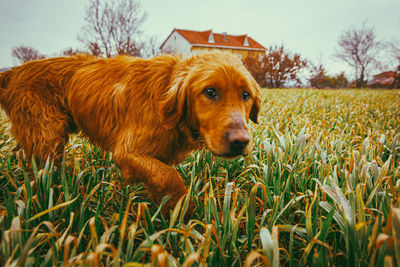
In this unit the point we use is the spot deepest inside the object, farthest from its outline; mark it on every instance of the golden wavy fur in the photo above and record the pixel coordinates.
(150, 113)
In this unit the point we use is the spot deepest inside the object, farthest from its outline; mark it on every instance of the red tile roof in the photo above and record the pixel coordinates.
(384, 79)
(201, 38)
(386, 74)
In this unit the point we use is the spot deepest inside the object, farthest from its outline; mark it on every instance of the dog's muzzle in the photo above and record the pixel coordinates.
(237, 142)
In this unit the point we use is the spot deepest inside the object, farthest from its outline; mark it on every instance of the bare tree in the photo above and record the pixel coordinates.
(396, 54)
(396, 51)
(150, 47)
(113, 27)
(281, 66)
(395, 47)
(25, 53)
(360, 48)
(72, 52)
(94, 49)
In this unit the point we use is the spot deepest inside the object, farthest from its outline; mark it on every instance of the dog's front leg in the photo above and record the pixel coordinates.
(158, 178)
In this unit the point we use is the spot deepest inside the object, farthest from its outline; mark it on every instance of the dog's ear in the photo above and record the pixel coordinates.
(172, 105)
(255, 109)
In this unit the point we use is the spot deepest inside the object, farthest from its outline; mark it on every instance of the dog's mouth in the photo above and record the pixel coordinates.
(225, 147)
(229, 151)
(230, 154)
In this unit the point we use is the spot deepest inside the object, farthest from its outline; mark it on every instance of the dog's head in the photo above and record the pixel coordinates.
(214, 96)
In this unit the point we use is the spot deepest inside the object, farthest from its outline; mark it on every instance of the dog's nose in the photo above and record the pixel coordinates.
(238, 140)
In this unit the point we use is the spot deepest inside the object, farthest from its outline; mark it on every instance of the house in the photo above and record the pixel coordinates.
(384, 80)
(187, 41)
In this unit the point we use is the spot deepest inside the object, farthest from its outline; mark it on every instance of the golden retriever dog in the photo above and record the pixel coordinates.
(150, 113)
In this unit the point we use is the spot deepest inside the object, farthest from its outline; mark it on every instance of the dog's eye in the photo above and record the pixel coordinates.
(245, 96)
(210, 92)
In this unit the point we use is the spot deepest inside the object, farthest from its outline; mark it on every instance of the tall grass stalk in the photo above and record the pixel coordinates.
(321, 187)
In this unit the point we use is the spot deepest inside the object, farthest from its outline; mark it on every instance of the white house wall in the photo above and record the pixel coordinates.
(176, 44)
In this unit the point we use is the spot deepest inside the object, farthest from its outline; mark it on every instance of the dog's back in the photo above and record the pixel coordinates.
(46, 77)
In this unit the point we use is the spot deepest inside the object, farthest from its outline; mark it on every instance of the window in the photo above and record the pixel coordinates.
(246, 41)
(211, 38)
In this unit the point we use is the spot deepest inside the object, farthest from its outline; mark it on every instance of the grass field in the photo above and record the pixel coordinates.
(320, 188)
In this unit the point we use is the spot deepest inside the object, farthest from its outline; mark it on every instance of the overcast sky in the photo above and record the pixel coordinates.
(309, 27)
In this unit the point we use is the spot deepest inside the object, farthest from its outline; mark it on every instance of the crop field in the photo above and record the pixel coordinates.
(320, 188)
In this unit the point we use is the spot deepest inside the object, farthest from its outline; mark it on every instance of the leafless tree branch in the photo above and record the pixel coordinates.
(113, 27)
(25, 53)
(360, 49)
